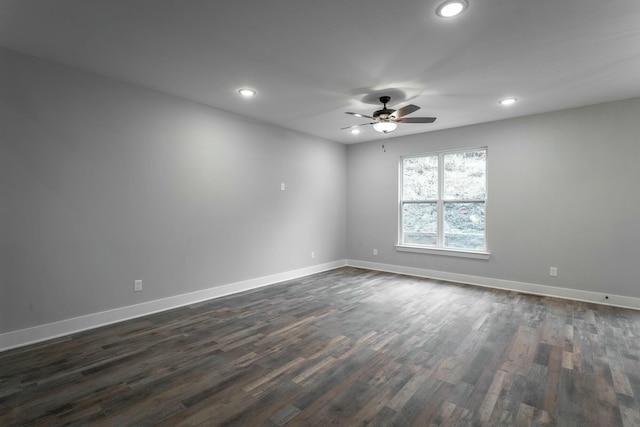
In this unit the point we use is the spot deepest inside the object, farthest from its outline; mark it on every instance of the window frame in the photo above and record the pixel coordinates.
(439, 248)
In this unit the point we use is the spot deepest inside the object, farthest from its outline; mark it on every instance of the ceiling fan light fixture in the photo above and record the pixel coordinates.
(385, 127)
(451, 8)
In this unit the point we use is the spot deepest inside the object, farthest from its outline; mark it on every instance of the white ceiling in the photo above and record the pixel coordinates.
(311, 61)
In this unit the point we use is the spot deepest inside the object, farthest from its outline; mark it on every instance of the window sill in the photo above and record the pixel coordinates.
(460, 253)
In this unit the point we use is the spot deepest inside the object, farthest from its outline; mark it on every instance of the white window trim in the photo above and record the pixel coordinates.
(432, 250)
(439, 249)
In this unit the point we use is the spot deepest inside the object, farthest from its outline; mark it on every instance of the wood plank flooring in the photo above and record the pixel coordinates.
(345, 347)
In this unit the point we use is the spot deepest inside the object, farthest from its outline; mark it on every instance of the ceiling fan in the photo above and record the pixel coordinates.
(386, 120)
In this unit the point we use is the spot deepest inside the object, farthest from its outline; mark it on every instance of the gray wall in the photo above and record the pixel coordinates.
(102, 183)
(563, 192)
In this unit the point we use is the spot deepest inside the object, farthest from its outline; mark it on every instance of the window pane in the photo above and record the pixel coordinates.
(464, 225)
(420, 223)
(420, 178)
(465, 175)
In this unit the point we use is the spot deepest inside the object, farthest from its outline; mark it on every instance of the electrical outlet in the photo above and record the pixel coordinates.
(375, 252)
(313, 254)
(282, 186)
(137, 286)
(553, 271)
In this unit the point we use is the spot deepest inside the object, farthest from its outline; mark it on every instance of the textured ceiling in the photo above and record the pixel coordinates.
(311, 61)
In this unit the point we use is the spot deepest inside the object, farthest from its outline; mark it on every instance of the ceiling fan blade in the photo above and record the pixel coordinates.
(407, 109)
(359, 115)
(357, 126)
(417, 120)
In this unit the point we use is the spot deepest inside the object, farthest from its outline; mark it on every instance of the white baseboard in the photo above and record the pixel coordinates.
(49, 331)
(509, 285)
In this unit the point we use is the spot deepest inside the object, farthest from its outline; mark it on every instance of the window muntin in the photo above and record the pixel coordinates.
(443, 200)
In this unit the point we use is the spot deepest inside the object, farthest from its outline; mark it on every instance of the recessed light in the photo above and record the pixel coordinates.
(507, 101)
(451, 8)
(247, 93)
(357, 114)
(355, 131)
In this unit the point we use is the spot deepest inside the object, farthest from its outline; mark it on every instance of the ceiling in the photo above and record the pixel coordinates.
(311, 61)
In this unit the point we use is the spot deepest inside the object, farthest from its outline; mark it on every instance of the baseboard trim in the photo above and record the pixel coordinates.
(40, 333)
(23, 337)
(509, 285)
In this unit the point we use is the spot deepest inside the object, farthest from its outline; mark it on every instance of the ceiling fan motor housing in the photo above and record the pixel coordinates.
(385, 112)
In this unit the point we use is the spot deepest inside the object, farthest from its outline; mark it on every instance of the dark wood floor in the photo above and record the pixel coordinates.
(345, 347)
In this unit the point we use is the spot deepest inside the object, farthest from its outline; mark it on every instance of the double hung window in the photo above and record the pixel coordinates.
(443, 198)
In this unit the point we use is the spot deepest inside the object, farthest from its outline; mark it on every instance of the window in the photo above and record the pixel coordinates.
(443, 199)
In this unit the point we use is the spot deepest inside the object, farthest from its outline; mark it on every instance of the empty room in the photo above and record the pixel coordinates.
(296, 213)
